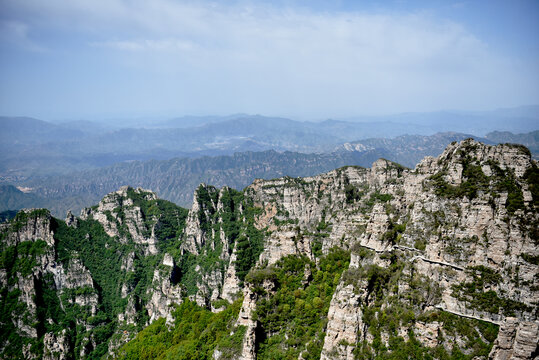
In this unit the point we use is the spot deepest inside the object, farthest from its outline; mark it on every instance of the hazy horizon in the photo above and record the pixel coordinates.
(120, 121)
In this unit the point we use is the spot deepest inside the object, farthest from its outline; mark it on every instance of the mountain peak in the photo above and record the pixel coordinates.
(515, 157)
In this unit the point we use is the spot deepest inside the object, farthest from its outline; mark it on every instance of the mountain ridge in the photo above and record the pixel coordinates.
(384, 261)
(60, 148)
(176, 179)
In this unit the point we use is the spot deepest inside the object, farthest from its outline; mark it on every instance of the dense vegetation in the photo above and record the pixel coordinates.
(102, 255)
(294, 297)
(17, 260)
(87, 243)
(195, 334)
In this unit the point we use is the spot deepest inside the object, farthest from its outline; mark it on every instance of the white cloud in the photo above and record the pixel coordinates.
(290, 59)
(146, 45)
(17, 33)
(166, 23)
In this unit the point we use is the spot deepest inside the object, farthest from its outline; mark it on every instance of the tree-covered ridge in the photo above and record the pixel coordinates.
(293, 311)
(16, 261)
(120, 267)
(195, 334)
(293, 302)
(227, 221)
(87, 315)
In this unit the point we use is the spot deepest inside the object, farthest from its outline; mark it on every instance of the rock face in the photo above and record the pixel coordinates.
(121, 217)
(516, 340)
(163, 293)
(213, 227)
(245, 318)
(31, 229)
(344, 323)
(55, 346)
(35, 274)
(110, 271)
(441, 260)
(466, 220)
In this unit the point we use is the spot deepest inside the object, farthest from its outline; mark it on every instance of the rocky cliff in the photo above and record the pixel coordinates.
(436, 262)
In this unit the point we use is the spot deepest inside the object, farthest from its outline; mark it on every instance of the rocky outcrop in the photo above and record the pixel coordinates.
(29, 239)
(56, 346)
(231, 284)
(245, 318)
(516, 340)
(344, 324)
(71, 220)
(121, 217)
(203, 206)
(79, 278)
(213, 226)
(163, 292)
(37, 276)
(31, 225)
(454, 219)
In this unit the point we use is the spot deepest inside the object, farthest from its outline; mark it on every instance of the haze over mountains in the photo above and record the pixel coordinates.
(70, 165)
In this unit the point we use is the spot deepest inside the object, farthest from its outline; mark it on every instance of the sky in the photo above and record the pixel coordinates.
(304, 59)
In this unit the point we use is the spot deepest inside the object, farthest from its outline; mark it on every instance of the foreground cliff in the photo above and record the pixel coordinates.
(387, 262)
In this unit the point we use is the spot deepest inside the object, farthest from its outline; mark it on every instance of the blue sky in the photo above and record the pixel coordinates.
(93, 59)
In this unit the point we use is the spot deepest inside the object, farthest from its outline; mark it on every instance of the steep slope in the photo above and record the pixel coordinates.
(436, 262)
(458, 235)
(90, 283)
(66, 285)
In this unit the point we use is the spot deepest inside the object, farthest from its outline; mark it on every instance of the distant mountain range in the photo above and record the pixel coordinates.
(73, 164)
(408, 150)
(520, 119)
(32, 147)
(530, 140)
(177, 178)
